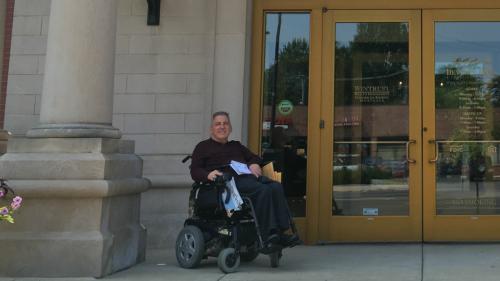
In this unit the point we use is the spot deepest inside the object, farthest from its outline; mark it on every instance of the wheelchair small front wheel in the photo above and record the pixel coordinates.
(228, 261)
(275, 259)
(190, 247)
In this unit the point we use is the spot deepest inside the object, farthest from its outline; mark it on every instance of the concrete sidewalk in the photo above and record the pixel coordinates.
(363, 262)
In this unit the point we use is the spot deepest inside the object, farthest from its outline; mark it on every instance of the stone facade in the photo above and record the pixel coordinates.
(80, 182)
(81, 201)
(168, 79)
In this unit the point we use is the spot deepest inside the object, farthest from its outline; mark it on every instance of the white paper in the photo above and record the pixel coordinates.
(235, 200)
(240, 168)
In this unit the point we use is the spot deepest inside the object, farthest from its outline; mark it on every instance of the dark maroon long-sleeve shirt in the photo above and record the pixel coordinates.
(210, 155)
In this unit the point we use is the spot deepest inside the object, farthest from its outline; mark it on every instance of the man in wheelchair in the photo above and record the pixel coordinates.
(267, 196)
(209, 162)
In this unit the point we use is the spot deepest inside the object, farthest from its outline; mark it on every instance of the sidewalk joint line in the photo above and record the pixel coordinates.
(422, 262)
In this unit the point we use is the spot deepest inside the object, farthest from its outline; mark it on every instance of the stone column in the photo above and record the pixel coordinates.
(4, 137)
(77, 98)
(229, 63)
(81, 184)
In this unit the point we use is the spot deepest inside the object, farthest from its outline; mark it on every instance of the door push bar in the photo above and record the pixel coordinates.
(411, 161)
(407, 143)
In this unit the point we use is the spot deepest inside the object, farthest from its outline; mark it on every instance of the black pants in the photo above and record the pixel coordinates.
(268, 199)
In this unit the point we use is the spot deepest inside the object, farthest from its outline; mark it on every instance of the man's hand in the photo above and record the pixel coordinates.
(213, 174)
(256, 170)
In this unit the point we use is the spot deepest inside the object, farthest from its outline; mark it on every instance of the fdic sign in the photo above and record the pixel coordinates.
(285, 107)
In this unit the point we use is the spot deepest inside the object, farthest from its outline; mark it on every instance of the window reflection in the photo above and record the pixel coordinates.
(467, 75)
(285, 99)
(370, 172)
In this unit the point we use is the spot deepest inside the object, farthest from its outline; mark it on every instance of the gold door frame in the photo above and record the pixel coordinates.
(447, 227)
(309, 5)
(383, 228)
(313, 226)
(307, 226)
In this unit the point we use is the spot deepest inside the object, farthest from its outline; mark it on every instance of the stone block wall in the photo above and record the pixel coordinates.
(168, 80)
(27, 54)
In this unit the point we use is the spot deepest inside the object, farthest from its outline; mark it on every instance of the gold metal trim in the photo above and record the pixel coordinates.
(436, 151)
(478, 141)
(406, 143)
(374, 142)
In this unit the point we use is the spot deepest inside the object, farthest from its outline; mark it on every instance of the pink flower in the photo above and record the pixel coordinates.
(4, 211)
(15, 205)
(2, 192)
(17, 199)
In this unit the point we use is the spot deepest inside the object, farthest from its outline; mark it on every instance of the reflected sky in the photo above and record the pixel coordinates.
(345, 32)
(293, 26)
(469, 40)
(475, 40)
(468, 31)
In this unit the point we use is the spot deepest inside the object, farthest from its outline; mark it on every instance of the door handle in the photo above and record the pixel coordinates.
(408, 159)
(436, 151)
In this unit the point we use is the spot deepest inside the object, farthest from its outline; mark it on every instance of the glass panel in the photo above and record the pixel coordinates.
(467, 75)
(286, 83)
(370, 174)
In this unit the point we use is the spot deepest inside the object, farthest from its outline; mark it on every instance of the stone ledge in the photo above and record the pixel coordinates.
(75, 130)
(53, 235)
(4, 137)
(78, 188)
(70, 166)
(70, 145)
(169, 181)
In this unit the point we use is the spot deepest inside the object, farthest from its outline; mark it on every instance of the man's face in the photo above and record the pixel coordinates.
(220, 129)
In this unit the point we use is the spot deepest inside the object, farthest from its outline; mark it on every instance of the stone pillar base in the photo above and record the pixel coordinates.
(74, 131)
(80, 213)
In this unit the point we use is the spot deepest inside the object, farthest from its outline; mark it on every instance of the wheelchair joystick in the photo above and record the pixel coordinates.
(223, 179)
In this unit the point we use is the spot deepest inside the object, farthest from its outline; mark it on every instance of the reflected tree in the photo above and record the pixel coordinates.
(292, 74)
(494, 89)
(461, 90)
(376, 57)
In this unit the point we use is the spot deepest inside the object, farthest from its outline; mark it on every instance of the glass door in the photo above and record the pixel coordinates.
(371, 160)
(461, 133)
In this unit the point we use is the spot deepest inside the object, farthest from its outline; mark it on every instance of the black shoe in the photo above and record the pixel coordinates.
(273, 238)
(271, 245)
(290, 240)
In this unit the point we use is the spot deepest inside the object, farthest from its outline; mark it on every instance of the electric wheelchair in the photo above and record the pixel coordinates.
(211, 231)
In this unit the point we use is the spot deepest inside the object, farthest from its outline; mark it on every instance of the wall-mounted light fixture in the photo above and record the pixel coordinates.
(153, 12)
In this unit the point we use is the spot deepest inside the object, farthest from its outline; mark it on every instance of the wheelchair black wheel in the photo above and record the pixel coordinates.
(228, 261)
(190, 247)
(274, 258)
